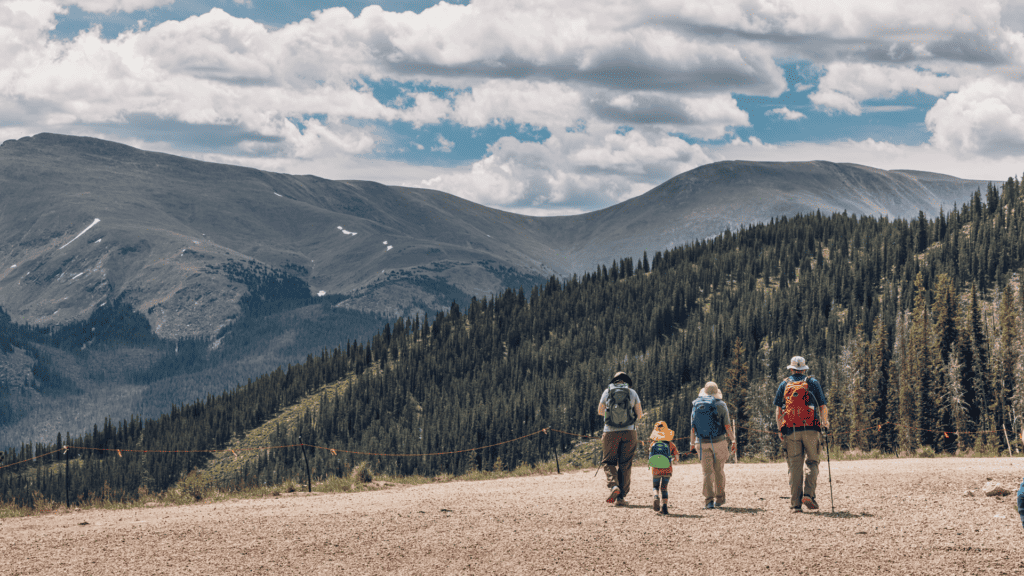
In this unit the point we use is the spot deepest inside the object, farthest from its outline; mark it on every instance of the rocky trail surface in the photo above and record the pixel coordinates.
(908, 516)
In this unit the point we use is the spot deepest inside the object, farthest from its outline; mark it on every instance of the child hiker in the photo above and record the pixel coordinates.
(663, 449)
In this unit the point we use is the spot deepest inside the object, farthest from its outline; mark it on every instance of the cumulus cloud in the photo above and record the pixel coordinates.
(986, 117)
(614, 84)
(443, 144)
(587, 169)
(846, 85)
(785, 113)
(108, 6)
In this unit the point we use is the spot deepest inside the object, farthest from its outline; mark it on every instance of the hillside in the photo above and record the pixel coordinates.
(132, 281)
(710, 199)
(912, 326)
(85, 221)
(906, 516)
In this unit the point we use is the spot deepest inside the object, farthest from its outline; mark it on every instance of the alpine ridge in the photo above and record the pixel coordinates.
(131, 281)
(85, 220)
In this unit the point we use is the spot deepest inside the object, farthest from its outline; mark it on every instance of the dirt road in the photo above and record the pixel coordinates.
(892, 517)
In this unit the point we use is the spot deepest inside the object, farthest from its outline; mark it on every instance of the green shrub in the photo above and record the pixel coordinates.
(195, 485)
(362, 473)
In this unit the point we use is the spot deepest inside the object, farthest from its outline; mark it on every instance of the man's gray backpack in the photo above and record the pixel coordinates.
(619, 413)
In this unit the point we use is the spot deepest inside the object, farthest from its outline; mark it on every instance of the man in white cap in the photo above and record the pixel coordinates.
(709, 433)
(801, 414)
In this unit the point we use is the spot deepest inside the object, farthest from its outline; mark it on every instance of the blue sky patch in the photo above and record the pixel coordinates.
(273, 13)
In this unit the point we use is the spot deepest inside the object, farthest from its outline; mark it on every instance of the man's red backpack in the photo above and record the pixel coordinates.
(800, 410)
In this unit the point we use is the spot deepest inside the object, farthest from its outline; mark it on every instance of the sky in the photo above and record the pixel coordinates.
(539, 107)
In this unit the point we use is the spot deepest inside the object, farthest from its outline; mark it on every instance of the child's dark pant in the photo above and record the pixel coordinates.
(661, 483)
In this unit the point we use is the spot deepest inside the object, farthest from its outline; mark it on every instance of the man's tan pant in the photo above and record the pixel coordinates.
(619, 448)
(802, 445)
(712, 461)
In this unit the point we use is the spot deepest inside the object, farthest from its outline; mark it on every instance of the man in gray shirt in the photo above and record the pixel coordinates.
(620, 406)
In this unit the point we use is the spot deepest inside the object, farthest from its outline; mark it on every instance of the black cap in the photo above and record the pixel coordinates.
(622, 377)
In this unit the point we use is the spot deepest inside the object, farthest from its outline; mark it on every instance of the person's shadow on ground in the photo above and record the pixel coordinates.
(648, 507)
(846, 514)
(678, 515)
(736, 510)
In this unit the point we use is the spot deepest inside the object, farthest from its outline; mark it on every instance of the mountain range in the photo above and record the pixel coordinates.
(85, 220)
(249, 270)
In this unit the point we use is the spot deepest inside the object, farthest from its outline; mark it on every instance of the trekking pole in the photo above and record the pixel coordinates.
(67, 477)
(828, 457)
(736, 435)
(309, 479)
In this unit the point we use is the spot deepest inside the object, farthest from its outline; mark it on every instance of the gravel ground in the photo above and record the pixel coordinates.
(891, 517)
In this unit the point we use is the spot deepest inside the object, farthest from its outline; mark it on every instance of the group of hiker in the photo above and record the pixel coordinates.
(800, 413)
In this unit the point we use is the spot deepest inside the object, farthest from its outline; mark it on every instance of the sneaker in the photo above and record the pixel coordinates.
(709, 506)
(657, 504)
(796, 509)
(615, 494)
(809, 502)
(664, 509)
(620, 502)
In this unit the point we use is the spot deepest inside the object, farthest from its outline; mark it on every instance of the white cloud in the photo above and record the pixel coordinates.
(108, 6)
(785, 113)
(985, 117)
(300, 97)
(846, 85)
(571, 169)
(443, 144)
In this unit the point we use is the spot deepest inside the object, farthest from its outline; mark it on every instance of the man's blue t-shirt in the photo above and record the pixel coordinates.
(1020, 502)
(813, 387)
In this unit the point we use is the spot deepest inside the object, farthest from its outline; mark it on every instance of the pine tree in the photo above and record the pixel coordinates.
(878, 386)
(852, 406)
(737, 383)
(973, 348)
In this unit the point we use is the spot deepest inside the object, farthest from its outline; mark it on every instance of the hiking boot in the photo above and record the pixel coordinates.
(709, 506)
(720, 503)
(620, 501)
(809, 502)
(615, 494)
(664, 509)
(796, 509)
(657, 504)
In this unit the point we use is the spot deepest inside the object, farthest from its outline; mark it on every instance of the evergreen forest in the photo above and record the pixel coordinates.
(912, 326)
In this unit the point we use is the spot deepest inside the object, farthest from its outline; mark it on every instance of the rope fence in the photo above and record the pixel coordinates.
(335, 451)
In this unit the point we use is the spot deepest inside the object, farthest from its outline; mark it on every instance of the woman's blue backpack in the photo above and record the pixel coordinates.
(706, 421)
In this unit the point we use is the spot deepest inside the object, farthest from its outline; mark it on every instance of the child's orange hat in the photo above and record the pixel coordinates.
(662, 432)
